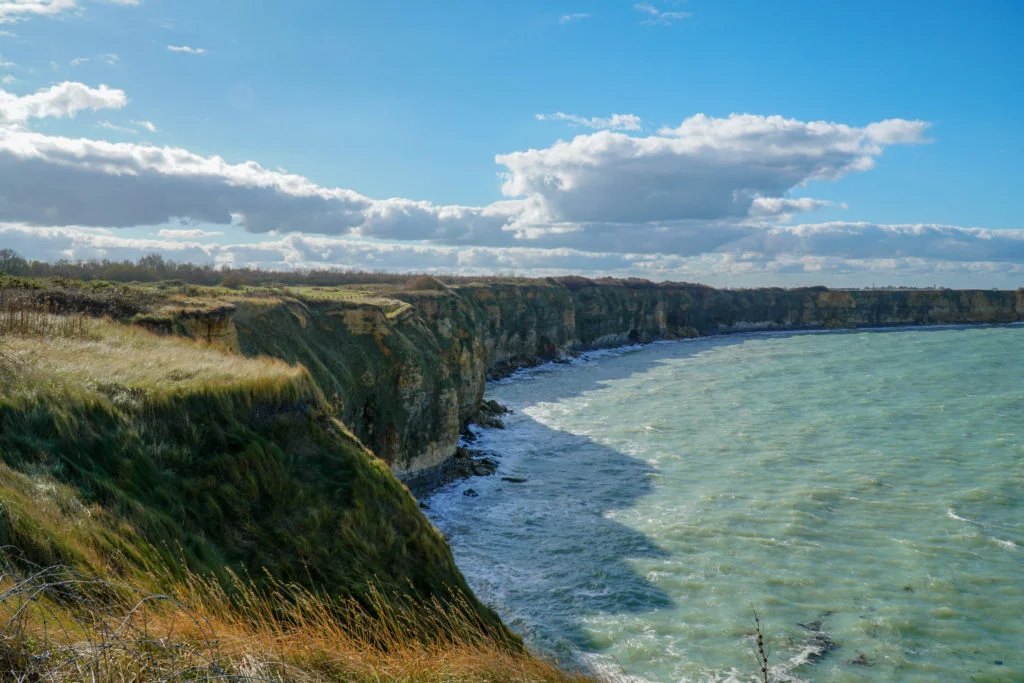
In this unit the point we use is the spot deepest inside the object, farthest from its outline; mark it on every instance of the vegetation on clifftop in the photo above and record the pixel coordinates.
(159, 464)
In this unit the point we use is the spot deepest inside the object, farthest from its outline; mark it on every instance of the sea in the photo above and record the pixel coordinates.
(861, 492)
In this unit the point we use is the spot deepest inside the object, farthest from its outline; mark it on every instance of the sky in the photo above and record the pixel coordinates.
(732, 142)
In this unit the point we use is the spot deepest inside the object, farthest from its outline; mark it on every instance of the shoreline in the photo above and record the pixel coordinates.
(427, 483)
(459, 517)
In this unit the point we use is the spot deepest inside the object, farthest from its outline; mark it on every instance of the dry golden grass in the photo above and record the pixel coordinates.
(102, 355)
(62, 626)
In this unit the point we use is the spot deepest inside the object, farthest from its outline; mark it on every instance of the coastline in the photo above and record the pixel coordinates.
(555, 482)
(427, 483)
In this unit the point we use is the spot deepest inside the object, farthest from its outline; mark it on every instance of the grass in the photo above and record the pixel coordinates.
(90, 359)
(150, 460)
(60, 625)
(147, 473)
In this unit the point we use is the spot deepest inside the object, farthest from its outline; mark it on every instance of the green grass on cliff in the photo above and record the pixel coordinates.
(130, 455)
(132, 462)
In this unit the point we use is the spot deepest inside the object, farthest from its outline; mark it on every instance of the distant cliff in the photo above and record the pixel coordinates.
(407, 372)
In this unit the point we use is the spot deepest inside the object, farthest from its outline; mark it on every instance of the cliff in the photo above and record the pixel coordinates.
(406, 371)
(147, 459)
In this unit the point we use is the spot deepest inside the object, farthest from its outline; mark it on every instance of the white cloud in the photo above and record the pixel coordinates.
(63, 100)
(569, 18)
(866, 241)
(5, 64)
(79, 60)
(665, 18)
(21, 10)
(190, 234)
(700, 201)
(8, 79)
(187, 50)
(732, 268)
(121, 129)
(706, 169)
(613, 122)
(689, 190)
(120, 184)
(784, 208)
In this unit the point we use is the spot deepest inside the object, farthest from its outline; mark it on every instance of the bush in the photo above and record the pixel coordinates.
(233, 281)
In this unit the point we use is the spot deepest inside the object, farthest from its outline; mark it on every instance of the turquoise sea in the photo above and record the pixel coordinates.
(862, 491)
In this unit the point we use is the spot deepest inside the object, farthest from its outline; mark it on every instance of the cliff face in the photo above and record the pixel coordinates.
(407, 377)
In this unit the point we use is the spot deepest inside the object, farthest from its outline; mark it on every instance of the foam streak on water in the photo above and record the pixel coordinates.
(863, 491)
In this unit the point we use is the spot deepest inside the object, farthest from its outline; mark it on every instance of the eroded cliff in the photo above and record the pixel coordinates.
(407, 372)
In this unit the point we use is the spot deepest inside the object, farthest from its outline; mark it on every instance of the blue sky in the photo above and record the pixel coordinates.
(436, 106)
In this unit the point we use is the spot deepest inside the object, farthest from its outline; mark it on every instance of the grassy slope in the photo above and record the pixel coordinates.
(126, 454)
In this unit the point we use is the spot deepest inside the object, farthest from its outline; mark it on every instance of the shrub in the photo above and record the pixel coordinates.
(233, 281)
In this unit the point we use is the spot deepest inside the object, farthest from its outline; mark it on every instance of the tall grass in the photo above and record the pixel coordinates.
(23, 317)
(60, 625)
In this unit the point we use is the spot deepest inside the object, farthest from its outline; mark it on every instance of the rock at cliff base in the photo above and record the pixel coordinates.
(495, 407)
(484, 467)
(471, 493)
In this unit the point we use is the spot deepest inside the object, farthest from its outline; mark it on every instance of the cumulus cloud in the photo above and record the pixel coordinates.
(122, 185)
(685, 190)
(187, 50)
(63, 100)
(613, 122)
(403, 219)
(704, 200)
(705, 169)
(782, 208)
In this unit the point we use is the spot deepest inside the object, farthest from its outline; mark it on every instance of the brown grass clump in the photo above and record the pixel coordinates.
(58, 625)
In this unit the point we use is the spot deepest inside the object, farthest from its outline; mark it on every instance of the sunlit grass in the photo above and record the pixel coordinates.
(165, 464)
(105, 357)
(60, 625)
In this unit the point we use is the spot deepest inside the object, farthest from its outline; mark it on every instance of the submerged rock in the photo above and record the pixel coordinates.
(514, 480)
(471, 493)
(484, 467)
(821, 643)
(860, 660)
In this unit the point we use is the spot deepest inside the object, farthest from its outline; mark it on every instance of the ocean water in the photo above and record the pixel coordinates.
(863, 492)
